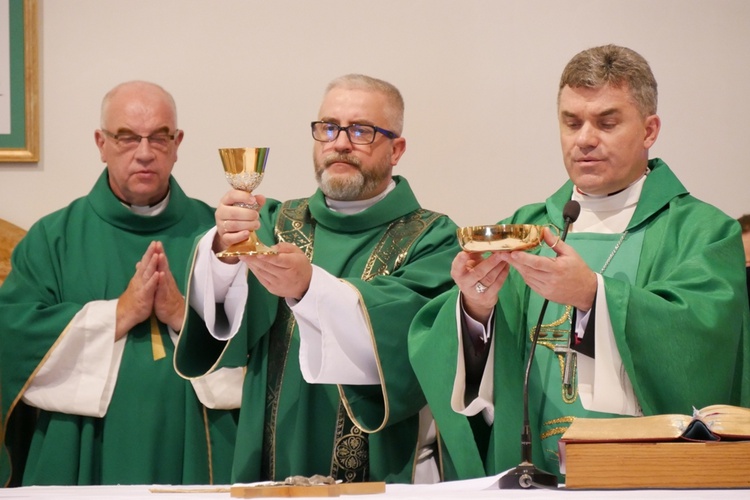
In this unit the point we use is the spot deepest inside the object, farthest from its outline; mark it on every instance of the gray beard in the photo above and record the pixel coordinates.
(347, 189)
(354, 187)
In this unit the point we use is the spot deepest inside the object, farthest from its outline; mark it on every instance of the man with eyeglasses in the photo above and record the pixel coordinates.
(92, 308)
(354, 263)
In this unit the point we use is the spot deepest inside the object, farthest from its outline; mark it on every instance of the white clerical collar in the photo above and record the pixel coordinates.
(149, 209)
(356, 206)
(608, 213)
(615, 201)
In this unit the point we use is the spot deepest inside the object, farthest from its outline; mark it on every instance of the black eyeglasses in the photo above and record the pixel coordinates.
(357, 134)
(129, 140)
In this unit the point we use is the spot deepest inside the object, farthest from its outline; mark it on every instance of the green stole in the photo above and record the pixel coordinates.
(552, 407)
(350, 449)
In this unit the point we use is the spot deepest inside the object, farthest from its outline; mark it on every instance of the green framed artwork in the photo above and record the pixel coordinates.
(19, 81)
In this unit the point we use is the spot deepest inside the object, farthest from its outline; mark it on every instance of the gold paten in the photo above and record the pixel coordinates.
(502, 237)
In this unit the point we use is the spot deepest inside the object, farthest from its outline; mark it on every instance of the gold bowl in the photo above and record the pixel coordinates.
(500, 237)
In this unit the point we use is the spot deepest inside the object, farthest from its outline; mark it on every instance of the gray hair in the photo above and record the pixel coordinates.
(614, 66)
(395, 111)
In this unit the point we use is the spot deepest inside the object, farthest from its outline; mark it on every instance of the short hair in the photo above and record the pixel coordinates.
(745, 223)
(395, 113)
(136, 83)
(614, 66)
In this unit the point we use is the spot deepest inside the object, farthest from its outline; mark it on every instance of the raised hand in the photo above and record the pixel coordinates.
(565, 279)
(137, 301)
(169, 304)
(235, 218)
(479, 280)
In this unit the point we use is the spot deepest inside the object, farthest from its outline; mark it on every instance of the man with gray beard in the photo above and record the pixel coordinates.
(353, 264)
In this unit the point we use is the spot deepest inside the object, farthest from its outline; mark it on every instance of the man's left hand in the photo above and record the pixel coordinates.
(565, 279)
(286, 274)
(169, 304)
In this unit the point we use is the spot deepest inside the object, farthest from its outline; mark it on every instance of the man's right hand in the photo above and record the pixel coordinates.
(137, 301)
(469, 269)
(235, 219)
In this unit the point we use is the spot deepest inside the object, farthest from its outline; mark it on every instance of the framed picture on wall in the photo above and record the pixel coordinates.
(19, 81)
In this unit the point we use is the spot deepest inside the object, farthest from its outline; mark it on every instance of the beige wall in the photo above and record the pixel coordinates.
(479, 78)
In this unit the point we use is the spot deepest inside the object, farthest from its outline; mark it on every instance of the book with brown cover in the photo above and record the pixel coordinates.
(710, 449)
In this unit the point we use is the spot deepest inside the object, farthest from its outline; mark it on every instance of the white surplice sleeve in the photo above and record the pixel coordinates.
(603, 383)
(78, 377)
(336, 341)
(215, 282)
(483, 402)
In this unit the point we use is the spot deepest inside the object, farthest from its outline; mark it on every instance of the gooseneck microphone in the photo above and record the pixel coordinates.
(526, 475)
(571, 211)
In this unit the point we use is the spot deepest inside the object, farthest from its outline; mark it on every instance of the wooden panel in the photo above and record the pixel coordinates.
(658, 465)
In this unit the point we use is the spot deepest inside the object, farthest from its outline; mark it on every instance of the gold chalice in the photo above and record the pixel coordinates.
(502, 237)
(244, 168)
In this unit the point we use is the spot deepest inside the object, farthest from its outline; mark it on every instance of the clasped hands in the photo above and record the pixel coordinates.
(152, 289)
(565, 278)
(287, 273)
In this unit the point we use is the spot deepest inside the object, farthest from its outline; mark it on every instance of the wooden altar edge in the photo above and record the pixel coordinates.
(290, 491)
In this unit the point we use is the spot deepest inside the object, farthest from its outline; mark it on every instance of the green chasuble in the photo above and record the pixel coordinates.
(155, 430)
(398, 256)
(676, 298)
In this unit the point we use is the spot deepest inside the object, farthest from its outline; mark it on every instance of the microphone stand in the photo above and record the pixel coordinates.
(526, 474)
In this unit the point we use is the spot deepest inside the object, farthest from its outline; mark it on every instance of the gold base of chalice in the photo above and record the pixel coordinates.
(252, 246)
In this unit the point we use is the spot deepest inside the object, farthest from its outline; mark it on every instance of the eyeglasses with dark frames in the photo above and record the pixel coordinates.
(357, 134)
(129, 140)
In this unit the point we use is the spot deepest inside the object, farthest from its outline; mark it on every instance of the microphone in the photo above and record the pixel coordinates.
(526, 475)
(571, 211)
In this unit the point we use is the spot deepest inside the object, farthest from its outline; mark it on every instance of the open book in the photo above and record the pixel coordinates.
(711, 448)
(712, 423)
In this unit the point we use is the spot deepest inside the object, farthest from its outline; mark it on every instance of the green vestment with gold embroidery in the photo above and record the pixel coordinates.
(675, 295)
(398, 256)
